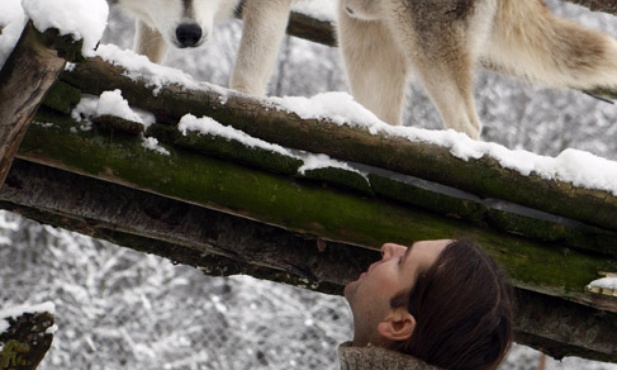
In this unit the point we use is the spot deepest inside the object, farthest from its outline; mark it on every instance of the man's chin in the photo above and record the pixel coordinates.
(350, 289)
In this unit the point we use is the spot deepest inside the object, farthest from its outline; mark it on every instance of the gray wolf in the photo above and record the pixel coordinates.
(189, 23)
(442, 41)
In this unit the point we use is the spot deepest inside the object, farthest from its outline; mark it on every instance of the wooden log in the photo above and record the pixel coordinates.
(224, 244)
(29, 72)
(483, 177)
(24, 344)
(305, 207)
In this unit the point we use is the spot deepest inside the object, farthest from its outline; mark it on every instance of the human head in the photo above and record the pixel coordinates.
(443, 301)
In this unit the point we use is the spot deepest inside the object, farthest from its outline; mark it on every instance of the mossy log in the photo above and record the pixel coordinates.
(302, 205)
(223, 244)
(24, 345)
(483, 177)
(25, 78)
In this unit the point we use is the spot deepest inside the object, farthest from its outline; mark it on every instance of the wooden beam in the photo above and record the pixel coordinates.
(224, 244)
(217, 242)
(29, 72)
(24, 344)
(304, 205)
(483, 177)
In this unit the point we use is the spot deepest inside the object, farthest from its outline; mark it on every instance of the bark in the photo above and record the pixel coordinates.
(27, 75)
(561, 329)
(24, 345)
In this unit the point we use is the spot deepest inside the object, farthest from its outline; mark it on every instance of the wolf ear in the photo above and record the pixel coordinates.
(397, 326)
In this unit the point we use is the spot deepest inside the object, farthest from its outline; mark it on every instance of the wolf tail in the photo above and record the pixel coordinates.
(528, 41)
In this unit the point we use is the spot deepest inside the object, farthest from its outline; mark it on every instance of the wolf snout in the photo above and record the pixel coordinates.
(188, 35)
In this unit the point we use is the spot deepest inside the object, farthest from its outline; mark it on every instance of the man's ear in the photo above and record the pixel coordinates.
(398, 325)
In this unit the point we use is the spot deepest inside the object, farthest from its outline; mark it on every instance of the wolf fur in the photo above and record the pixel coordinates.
(189, 23)
(441, 41)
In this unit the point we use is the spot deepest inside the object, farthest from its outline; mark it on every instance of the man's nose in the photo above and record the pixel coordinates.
(390, 250)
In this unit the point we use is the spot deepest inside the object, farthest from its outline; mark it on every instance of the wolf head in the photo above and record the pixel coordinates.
(183, 23)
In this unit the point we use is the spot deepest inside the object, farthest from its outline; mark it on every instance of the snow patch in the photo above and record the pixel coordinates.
(317, 161)
(16, 311)
(112, 103)
(209, 126)
(152, 143)
(12, 22)
(577, 167)
(140, 68)
(605, 284)
(85, 20)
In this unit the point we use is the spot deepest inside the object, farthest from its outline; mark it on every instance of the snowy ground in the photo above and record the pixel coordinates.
(118, 309)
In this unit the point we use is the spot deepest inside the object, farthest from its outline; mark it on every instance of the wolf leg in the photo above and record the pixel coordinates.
(149, 42)
(375, 66)
(442, 48)
(263, 30)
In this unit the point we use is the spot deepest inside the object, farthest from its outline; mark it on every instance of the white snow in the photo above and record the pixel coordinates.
(608, 283)
(85, 20)
(20, 310)
(109, 103)
(16, 311)
(12, 22)
(209, 126)
(339, 107)
(139, 67)
(577, 167)
(317, 161)
(112, 103)
(152, 143)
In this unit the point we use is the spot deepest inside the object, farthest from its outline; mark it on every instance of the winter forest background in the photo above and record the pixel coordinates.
(119, 309)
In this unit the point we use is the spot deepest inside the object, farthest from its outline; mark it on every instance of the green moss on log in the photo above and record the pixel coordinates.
(62, 97)
(237, 151)
(344, 178)
(304, 208)
(26, 342)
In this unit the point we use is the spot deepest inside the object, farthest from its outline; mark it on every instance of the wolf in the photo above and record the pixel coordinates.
(189, 23)
(441, 42)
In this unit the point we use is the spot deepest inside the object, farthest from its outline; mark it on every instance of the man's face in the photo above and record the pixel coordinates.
(397, 271)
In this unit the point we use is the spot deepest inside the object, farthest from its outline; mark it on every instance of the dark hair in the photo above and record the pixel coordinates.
(464, 311)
